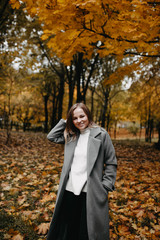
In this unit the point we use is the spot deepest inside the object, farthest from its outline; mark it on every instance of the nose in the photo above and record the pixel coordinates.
(78, 120)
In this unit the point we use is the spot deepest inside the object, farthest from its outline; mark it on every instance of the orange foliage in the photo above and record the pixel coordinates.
(80, 26)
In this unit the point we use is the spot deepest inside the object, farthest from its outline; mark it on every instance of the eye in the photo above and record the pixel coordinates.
(81, 116)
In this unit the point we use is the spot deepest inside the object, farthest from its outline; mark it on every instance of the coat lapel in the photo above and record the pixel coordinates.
(69, 153)
(93, 148)
(92, 152)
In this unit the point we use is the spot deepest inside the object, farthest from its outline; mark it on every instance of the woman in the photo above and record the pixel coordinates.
(88, 173)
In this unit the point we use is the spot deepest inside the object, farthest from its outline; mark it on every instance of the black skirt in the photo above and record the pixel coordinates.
(72, 220)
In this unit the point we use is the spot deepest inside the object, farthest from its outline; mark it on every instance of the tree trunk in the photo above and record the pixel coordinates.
(46, 97)
(71, 92)
(24, 126)
(92, 100)
(60, 98)
(105, 107)
(149, 127)
(104, 114)
(115, 130)
(140, 131)
(85, 86)
(97, 116)
(9, 112)
(54, 107)
(158, 133)
(79, 68)
(71, 84)
(157, 145)
(8, 131)
(150, 130)
(108, 117)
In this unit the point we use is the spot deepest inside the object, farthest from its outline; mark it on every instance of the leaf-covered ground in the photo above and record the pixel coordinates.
(30, 169)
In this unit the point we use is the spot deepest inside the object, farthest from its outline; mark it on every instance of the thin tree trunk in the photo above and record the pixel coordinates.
(79, 67)
(157, 145)
(158, 133)
(149, 127)
(46, 97)
(9, 112)
(71, 84)
(150, 130)
(60, 96)
(71, 92)
(92, 100)
(85, 86)
(140, 131)
(24, 126)
(115, 130)
(108, 117)
(146, 124)
(54, 107)
(105, 107)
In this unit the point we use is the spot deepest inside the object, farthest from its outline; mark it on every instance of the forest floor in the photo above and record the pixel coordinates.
(124, 133)
(29, 173)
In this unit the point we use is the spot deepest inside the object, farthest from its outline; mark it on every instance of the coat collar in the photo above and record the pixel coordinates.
(92, 151)
(94, 132)
(93, 148)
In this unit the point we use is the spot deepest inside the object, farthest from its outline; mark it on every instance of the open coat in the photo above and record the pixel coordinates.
(101, 175)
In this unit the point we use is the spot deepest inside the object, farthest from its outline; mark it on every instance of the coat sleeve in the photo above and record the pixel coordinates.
(110, 163)
(56, 135)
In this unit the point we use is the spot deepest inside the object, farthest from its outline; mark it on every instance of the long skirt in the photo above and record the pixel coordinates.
(72, 218)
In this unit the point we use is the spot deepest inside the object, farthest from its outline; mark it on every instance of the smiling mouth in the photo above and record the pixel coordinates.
(81, 124)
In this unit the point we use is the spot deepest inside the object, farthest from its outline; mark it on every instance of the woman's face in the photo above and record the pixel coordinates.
(80, 119)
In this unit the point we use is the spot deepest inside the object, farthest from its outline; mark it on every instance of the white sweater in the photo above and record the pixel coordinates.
(78, 173)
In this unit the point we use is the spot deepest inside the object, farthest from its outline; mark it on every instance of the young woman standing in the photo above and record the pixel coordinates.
(88, 173)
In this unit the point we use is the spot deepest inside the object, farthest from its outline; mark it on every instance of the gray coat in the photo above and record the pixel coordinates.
(101, 172)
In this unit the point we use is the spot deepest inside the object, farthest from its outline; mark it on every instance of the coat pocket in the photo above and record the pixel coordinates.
(104, 188)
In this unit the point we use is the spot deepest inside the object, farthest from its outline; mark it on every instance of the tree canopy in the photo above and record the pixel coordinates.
(39, 37)
(115, 27)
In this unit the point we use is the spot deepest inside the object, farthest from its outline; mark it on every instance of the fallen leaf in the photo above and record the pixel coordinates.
(123, 230)
(17, 237)
(140, 213)
(7, 236)
(43, 228)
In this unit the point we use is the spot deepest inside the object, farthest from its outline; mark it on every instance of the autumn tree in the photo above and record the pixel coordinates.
(10, 87)
(81, 34)
(41, 85)
(119, 108)
(111, 27)
(105, 28)
(23, 39)
(6, 17)
(106, 88)
(145, 97)
(29, 112)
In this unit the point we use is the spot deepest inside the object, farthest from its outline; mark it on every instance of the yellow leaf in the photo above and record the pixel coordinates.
(18, 237)
(123, 230)
(47, 197)
(15, 4)
(44, 37)
(43, 228)
(140, 213)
